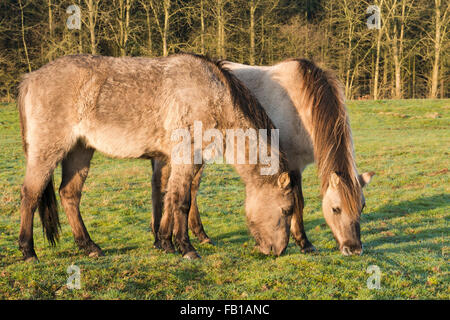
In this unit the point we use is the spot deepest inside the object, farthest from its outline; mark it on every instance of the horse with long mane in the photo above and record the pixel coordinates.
(129, 108)
(307, 104)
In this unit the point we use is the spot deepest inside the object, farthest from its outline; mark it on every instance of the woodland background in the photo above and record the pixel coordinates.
(408, 57)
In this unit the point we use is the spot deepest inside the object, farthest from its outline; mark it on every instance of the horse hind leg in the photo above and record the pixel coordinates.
(37, 190)
(75, 167)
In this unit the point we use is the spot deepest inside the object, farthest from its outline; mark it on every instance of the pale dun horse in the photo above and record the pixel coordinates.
(128, 108)
(307, 104)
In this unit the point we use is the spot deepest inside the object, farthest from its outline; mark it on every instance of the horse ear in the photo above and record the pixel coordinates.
(365, 178)
(284, 180)
(334, 180)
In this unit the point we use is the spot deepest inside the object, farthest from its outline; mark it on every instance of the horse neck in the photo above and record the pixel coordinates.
(256, 174)
(251, 175)
(248, 113)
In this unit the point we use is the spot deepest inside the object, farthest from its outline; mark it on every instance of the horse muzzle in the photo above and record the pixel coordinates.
(349, 250)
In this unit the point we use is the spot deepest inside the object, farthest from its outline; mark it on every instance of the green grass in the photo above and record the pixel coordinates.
(405, 226)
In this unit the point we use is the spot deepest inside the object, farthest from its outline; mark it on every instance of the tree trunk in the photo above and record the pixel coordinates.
(80, 42)
(263, 41)
(437, 51)
(202, 22)
(166, 26)
(398, 83)
(414, 78)
(442, 95)
(92, 17)
(377, 67)
(149, 30)
(220, 29)
(50, 27)
(162, 32)
(252, 32)
(385, 72)
(398, 67)
(124, 23)
(127, 27)
(22, 24)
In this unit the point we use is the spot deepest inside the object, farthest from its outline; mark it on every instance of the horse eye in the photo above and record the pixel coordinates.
(336, 210)
(287, 212)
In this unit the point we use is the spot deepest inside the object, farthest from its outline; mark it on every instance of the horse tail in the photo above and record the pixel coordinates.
(47, 206)
(48, 212)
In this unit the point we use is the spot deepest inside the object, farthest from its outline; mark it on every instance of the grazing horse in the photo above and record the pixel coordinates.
(130, 108)
(307, 104)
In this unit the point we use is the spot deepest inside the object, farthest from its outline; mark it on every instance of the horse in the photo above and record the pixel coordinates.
(130, 107)
(307, 104)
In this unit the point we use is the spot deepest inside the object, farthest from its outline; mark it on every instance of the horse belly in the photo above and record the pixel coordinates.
(120, 143)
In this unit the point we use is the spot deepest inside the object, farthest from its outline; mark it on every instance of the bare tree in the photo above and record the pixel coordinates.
(22, 28)
(163, 28)
(395, 35)
(441, 23)
(118, 20)
(93, 11)
(220, 16)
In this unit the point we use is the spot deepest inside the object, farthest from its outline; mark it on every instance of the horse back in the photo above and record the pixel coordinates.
(124, 107)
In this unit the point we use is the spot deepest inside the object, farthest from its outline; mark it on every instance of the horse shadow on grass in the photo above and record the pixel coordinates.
(402, 209)
(243, 239)
(110, 251)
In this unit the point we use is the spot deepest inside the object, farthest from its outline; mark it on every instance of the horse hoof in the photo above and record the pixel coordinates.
(96, 254)
(207, 241)
(167, 246)
(92, 250)
(157, 245)
(191, 255)
(308, 249)
(31, 259)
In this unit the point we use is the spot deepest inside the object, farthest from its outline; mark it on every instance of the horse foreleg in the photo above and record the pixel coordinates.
(75, 169)
(160, 177)
(195, 223)
(162, 225)
(297, 227)
(176, 206)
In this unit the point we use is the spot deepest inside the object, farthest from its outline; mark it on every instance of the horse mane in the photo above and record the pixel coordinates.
(322, 95)
(244, 100)
(247, 104)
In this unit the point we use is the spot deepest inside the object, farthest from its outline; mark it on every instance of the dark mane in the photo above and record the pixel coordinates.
(244, 101)
(322, 93)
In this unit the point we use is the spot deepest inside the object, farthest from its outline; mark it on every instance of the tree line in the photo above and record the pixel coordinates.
(405, 56)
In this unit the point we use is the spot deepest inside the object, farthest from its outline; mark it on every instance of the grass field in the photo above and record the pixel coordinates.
(405, 227)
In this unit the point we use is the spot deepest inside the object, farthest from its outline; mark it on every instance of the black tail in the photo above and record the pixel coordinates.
(48, 211)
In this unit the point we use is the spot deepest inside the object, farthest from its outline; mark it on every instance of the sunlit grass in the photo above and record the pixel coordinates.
(405, 227)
